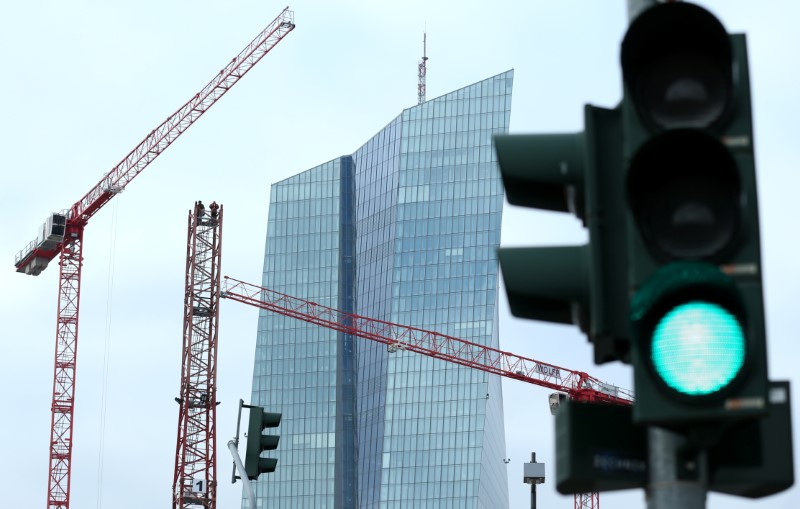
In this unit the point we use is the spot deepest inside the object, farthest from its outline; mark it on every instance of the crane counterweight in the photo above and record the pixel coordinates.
(37, 254)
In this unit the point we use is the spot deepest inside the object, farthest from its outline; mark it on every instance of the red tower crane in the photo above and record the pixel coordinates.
(576, 385)
(195, 477)
(62, 234)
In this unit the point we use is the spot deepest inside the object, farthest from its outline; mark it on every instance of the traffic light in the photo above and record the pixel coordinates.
(696, 313)
(579, 173)
(598, 448)
(257, 442)
(670, 280)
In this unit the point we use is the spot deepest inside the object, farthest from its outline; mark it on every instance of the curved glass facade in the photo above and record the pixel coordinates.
(405, 230)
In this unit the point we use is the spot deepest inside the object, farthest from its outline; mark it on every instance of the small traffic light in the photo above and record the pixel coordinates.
(257, 442)
(697, 319)
(598, 448)
(579, 173)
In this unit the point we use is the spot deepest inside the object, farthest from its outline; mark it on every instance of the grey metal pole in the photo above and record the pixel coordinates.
(637, 6)
(236, 440)
(238, 462)
(664, 489)
(533, 485)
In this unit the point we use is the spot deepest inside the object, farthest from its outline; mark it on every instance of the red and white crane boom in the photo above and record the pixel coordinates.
(576, 384)
(62, 234)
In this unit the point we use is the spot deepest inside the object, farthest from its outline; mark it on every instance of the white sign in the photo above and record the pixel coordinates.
(548, 370)
(199, 485)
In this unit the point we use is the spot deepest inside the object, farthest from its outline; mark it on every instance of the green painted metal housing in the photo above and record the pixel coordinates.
(257, 442)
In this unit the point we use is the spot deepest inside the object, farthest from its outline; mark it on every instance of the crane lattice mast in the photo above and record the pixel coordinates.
(576, 385)
(194, 483)
(587, 501)
(62, 235)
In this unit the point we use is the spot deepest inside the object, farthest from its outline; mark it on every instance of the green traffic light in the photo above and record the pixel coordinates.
(693, 260)
(698, 348)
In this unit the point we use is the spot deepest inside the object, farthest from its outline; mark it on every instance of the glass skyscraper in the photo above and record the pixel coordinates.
(404, 230)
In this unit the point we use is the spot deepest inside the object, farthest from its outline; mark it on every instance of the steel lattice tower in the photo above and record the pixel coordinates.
(195, 483)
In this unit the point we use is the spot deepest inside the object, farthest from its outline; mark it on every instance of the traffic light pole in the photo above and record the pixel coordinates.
(238, 462)
(667, 488)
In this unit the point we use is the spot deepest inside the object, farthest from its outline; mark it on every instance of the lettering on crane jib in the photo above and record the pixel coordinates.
(548, 370)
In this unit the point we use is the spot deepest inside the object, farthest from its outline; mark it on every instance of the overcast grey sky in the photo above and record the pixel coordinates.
(85, 81)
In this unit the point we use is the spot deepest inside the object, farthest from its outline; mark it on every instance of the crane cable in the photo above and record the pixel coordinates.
(106, 355)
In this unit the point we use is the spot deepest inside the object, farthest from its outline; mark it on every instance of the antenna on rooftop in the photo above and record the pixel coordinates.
(422, 68)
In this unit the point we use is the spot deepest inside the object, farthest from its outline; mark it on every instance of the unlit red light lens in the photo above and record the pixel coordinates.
(698, 348)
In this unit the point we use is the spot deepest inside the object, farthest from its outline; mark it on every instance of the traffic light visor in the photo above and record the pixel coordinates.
(544, 171)
(676, 62)
(547, 283)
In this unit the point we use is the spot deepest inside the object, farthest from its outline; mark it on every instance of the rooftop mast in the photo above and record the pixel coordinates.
(422, 68)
